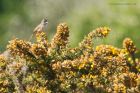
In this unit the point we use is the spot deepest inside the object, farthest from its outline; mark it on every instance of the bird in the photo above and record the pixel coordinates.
(40, 27)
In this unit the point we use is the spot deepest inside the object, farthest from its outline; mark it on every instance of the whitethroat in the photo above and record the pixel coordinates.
(40, 27)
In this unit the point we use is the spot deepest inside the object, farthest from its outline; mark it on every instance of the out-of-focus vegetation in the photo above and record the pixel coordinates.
(18, 17)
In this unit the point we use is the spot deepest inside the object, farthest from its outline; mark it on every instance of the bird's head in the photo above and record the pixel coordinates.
(45, 21)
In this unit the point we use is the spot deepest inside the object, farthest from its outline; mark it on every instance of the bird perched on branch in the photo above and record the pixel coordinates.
(40, 27)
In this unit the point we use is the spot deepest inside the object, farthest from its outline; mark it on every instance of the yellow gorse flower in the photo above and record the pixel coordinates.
(55, 67)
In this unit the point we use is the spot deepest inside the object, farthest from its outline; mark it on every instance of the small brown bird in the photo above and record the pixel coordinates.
(40, 27)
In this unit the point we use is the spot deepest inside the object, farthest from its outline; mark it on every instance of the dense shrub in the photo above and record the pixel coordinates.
(55, 67)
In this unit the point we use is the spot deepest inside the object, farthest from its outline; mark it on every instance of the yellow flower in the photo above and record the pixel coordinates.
(82, 64)
(129, 45)
(102, 31)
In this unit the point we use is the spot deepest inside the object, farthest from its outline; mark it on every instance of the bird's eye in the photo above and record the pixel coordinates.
(45, 21)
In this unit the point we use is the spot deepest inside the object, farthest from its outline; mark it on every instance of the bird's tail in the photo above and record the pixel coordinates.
(30, 37)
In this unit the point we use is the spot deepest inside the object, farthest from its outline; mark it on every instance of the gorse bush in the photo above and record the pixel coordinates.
(55, 67)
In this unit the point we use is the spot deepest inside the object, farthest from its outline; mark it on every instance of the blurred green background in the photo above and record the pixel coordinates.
(19, 17)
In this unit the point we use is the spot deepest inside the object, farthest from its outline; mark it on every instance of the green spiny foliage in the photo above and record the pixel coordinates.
(54, 67)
